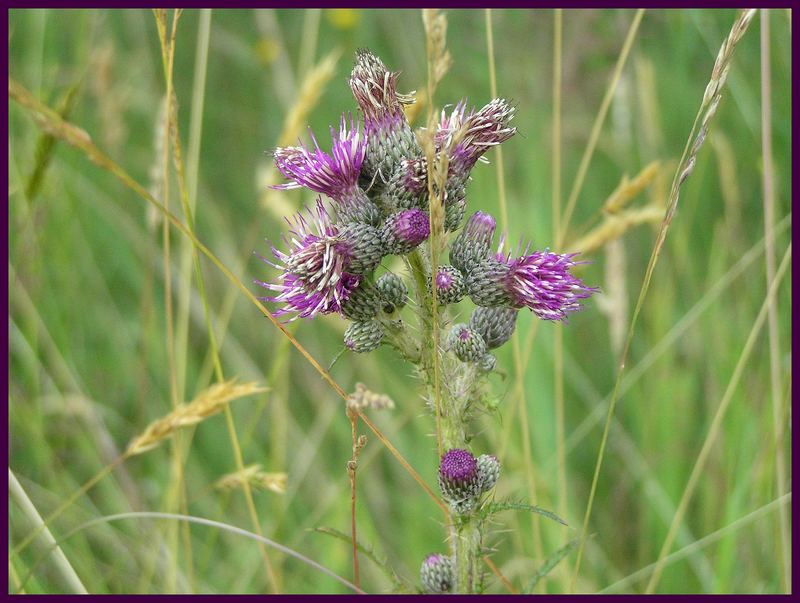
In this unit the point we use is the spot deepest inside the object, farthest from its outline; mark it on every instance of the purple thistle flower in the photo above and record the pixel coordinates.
(458, 466)
(315, 277)
(389, 137)
(404, 230)
(436, 573)
(542, 282)
(375, 90)
(467, 136)
(334, 175)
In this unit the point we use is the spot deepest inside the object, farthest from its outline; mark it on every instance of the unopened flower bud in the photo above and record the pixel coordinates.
(449, 285)
(437, 573)
(362, 303)
(474, 243)
(487, 363)
(486, 284)
(404, 230)
(489, 471)
(363, 336)
(393, 291)
(366, 247)
(467, 343)
(496, 325)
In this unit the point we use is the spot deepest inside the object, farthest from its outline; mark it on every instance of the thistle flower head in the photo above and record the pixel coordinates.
(404, 230)
(375, 90)
(467, 136)
(393, 292)
(542, 282)
(315, 277)
(458, 466)
(334, 174)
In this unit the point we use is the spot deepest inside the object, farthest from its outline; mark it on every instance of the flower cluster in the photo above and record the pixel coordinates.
(373, 202)
(374, 180)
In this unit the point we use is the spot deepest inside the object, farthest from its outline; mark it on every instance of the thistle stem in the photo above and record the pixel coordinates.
(456, 393)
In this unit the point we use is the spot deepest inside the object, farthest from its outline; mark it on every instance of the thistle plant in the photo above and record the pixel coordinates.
(374, 202)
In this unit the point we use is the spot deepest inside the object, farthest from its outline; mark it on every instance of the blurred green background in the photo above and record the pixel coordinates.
(89, 368)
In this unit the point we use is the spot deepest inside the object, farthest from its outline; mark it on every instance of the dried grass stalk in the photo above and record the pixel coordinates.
(363, 398)
(614, 226)
(629, 189)
(208, 403)
(254, 476)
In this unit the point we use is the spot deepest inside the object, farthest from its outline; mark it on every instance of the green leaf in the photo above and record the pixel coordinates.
(400, 584)
(552, 561)
(496, 507)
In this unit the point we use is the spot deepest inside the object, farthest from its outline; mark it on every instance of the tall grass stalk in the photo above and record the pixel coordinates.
(772, 324)
(60, 560)
(706, 111)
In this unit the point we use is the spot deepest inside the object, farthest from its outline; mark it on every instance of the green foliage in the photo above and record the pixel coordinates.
(89, 367)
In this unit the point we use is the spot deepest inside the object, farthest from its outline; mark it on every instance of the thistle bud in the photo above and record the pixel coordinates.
(366, 247)
(437, 573)
(389, 137)
(404, 230)
(486, 284)
(455, 207)
(407, 186)
(362, 303)
(449, 285)
(363, 336)
(474, 243)
(489, 471)
(487, 363)
(467, 344)
(459, 480)
(393, 291)
(496, 325)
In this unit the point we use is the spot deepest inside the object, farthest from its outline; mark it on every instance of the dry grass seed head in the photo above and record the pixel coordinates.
(208, 403)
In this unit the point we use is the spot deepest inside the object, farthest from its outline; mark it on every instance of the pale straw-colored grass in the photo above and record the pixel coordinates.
(207, 404)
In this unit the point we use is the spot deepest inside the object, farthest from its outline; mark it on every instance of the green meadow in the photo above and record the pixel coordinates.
(658, 418)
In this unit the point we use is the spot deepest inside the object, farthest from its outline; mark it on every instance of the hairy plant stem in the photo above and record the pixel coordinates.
(459, 390)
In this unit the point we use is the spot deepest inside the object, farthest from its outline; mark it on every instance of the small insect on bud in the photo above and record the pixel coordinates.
(437, 573)
(449, 285)
(393, 292)
(363, 336)
(467, 344)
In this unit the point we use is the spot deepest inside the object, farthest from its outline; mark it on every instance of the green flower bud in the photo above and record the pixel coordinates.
(437, 574)
(393, 291)
(363, 336)
(362, 303)
(488, 471)
(496, 325)
(467, 344)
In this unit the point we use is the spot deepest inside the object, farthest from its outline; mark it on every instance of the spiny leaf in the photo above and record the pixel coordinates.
(552, 561)
(400, 584)
(496, 507)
